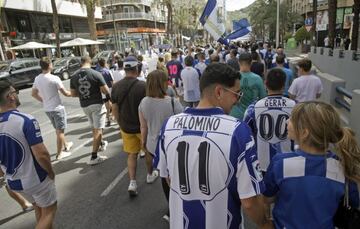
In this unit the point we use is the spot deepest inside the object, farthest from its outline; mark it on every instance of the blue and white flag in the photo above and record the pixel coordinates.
(212, 21)
(244, 29)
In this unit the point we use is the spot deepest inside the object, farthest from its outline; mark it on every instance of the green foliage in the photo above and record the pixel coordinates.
(287, 36)
(302, 34)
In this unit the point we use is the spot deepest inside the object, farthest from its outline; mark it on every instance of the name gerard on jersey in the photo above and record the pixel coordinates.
(199, 123)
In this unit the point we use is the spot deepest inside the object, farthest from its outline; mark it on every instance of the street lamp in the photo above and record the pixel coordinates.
(277, 22)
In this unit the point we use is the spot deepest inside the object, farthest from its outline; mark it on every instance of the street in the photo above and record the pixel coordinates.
(89, 196)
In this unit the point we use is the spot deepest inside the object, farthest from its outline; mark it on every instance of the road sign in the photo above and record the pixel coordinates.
(309, 21)
(308, 27)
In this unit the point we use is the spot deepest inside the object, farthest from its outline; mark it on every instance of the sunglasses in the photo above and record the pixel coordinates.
(238, 94)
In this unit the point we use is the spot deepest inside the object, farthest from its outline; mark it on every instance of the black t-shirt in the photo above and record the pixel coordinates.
(258, 68)
(127, 94)
(87, 83)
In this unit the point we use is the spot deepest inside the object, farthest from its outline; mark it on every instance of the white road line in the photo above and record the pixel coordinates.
(114, 183)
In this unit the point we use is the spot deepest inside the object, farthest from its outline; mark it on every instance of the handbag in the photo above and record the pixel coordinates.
(347, 217)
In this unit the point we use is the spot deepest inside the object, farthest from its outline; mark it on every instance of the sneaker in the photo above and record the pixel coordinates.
(166, 217)
(150, 178)
(68, 146)
(103, 146)
(28, 208)
(142, 153)
(108, 123)
(97, 160)
(62, 155)
(132, 189)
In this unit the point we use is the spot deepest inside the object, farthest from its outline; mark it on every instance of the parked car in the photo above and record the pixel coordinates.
(107, 55)
(66, 67)
(20, 72)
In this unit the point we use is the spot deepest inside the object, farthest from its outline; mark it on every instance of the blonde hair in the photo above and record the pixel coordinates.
(167, 57)
(323, 124)
(156, 84)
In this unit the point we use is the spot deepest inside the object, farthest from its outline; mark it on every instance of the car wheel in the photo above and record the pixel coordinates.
(65, 76)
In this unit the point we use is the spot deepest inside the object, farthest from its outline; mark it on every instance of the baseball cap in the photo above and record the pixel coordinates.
(130, 62)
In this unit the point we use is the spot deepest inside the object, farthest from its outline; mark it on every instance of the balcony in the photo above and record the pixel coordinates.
(125, 2)
(133, 16)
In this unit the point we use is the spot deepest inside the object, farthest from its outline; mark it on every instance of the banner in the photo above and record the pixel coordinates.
(212, 21)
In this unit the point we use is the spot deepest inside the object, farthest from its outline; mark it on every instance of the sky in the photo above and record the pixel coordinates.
(232, 5)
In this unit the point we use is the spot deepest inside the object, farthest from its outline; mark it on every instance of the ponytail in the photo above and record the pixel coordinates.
(348, 151)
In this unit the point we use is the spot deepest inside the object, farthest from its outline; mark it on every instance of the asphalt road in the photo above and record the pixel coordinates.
(89, 196)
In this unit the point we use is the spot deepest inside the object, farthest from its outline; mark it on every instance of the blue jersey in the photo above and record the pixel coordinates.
(267, 119)
(211, 161)
(308, 189)
(19, 131)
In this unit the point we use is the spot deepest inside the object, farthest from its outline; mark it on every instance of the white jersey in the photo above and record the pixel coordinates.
(267, 119)
(19, 131)
(211, 161)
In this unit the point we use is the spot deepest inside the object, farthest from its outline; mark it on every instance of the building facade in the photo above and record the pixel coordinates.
(131, 23)
(344, 16)
(32, 20)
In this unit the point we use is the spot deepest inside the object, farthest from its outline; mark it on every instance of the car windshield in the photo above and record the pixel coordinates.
(4, 66)
(61, 62)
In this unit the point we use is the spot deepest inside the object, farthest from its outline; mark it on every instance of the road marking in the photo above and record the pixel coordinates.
(114, 183)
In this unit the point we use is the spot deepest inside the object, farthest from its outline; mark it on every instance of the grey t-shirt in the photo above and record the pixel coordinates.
(155, 112)
(87, 83)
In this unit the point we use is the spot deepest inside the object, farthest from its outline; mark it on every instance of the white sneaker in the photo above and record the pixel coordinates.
(150, 178)
(142, 153)
(103, 146)
(132, 189)
(166, 218)
(68, 146)
(62, 155)
(97, 160)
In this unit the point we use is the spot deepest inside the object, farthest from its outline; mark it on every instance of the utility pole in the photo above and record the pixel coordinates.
(314, 22)
(277, 22)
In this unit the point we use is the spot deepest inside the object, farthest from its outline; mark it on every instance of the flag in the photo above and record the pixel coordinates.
(244, 29)
(242, 23)
(212, 21)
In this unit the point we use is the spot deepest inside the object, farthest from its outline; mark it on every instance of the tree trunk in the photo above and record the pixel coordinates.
(315, 41)
(355, 28)
(169, 18)
(332, 21)
(56, 28)
(90, 9)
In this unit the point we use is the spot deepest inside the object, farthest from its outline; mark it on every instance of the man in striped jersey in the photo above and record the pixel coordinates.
(210, 159)
(267, 118)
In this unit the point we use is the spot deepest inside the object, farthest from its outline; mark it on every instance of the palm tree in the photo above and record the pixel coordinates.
(332, 21)
(56, 28)
(355, 28)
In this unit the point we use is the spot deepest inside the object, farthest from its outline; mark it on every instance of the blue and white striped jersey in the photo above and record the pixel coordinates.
(211, 161)
(308, 189)
(267, 119)
(19, 131)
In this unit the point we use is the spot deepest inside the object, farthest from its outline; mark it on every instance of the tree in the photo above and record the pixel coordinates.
(56, 28)
(355, 28)
(314, 22)
(332, 21)
(302, 34)
(90, 10)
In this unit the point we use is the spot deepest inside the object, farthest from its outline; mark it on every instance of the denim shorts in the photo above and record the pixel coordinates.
(58, 118)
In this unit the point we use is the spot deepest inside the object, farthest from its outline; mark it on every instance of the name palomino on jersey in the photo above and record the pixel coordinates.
(275, 103)
(199, 123)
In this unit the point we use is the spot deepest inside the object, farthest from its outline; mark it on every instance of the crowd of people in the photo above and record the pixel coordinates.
(228, 130)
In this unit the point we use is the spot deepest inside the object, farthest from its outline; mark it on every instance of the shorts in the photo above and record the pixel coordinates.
(96, 114)
(131, 142)
(43, 195)
(58, 118)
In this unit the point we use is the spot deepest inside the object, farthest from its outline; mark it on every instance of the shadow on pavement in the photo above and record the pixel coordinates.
(3, 221)
(77, 119)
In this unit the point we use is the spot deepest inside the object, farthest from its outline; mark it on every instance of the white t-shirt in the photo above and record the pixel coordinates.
(191, 82)
(201, 66)
(145, 68)
(305, 88)
(118, 75)
(48, 86)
